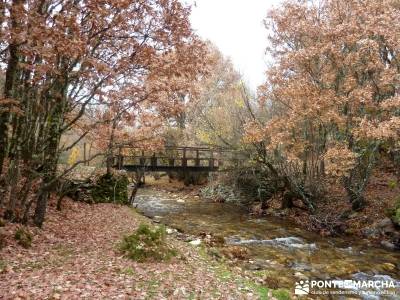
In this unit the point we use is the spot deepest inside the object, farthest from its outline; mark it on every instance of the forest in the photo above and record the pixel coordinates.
(303, 181)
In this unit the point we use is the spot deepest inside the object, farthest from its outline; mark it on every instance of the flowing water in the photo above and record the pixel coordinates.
(286, 251)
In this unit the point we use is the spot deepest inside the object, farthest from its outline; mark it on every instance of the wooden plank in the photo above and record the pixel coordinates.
(189, 158)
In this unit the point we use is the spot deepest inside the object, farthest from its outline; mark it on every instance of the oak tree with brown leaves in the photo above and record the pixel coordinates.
(66, 62)
(332, 92)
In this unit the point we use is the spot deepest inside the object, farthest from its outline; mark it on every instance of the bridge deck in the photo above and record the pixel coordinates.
(192, 159)
(133, 168)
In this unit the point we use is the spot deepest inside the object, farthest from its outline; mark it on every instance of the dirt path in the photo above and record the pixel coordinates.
(75, 257)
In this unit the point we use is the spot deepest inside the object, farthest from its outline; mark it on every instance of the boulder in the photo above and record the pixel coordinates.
(195, 242)
(388, 245)
(382, 227)
(385, 223)
(255, 267)
(300, 275)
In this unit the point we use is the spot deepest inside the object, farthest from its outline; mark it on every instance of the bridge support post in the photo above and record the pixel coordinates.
(184, 159)
(142, 160)
(120, 162)
(211, 161)
(154, 160)
(171, 162)
(120, 159)
(110, 162)
(197, 161)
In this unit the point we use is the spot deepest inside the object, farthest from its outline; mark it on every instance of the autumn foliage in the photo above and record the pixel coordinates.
(108, 70)
(332, 94)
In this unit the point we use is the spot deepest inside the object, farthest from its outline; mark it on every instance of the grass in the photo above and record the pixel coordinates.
(3, 265)
(262, 292)
(392, 184)
(150, 286)
(147, 244)
(64, 251)
(225, 274)
(23, 237)
(127, 271)
(281, 294)
(35, 265)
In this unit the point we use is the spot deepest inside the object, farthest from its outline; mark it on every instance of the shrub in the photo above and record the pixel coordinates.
(23, 237)
(397, 205)
(236, 252)
(271, 282)
(147, 244)
(396, 217)
(392, 184)
(111, 188)
(394, 212)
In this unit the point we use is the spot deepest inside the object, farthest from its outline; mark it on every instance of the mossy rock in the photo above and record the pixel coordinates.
(147, 244)
(23, 237)
(111, 188)
(394, 213)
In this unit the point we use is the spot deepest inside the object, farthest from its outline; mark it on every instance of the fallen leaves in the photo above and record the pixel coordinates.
(75, 257)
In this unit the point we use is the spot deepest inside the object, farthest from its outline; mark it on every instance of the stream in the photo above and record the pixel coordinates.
(288, 253)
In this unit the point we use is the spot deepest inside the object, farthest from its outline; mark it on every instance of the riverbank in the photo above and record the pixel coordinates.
(75, 256)
(267, 249)
(334, 216)
(377, 222)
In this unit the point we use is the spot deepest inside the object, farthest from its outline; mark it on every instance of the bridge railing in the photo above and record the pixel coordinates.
(170, 157)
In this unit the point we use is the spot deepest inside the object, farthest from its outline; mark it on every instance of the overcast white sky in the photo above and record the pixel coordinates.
(236, 27)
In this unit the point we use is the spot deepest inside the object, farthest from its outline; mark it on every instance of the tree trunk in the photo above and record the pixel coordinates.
(49, 164)
(9, 85)
(41, 205)
(3, 140)
(10, 213)
(109, 159)
(287, 200)
(133, 194)
(356, 199)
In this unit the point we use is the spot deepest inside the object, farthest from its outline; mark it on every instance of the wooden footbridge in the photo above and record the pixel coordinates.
(187, 159)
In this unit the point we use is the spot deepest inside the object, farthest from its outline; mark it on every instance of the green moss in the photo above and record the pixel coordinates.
(392, 184)
(397, 205)
(192, 296)
(281, 294)
(23, 237)
(396, 217)
(394, 212)
(147, 244)
(224, 275)
(262, 292)
(111, 188)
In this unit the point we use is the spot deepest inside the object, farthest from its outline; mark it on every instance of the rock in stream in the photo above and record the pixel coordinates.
(285, 242)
